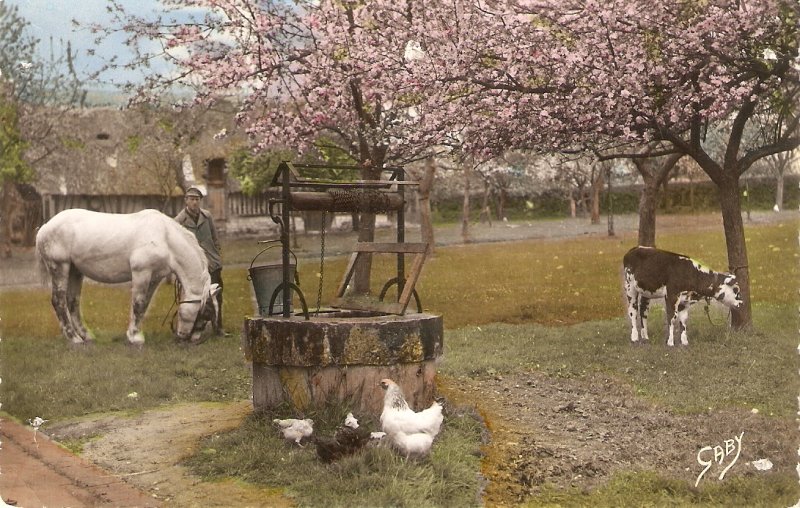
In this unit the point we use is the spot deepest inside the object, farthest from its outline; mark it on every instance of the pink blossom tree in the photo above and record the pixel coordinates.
(387, 81)
(309, 75)
(549, 74)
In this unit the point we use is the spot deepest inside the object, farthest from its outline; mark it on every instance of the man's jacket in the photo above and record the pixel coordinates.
(206, 235)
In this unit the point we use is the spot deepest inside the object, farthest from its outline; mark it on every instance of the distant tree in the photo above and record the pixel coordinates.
(580, 177)
(656, 165)
(778, 164)
(162, 138)
(15, 53)
(254, 170)
(13, 166)
(35, 94)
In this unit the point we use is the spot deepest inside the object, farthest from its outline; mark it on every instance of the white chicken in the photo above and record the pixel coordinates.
(295, 430)
(412, 445)
(410, 432)
(350, 421)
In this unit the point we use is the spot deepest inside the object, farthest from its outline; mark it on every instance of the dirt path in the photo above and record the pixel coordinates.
(146, 451)
(573, 433)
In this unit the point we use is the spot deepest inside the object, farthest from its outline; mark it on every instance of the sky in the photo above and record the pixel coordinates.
(55, 18)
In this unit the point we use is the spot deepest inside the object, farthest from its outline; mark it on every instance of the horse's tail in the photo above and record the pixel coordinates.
(44, 273)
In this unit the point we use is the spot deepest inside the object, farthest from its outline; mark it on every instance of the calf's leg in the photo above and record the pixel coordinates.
(644, 305)
(683, 317)
(632, 297)
(671, 308)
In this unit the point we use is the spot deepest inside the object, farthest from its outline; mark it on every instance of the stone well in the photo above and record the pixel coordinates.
(341, 356)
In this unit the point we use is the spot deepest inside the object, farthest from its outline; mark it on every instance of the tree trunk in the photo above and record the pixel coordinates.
(465, 207)
(665, 199)
(572, 206)
(610, 205)
(426, 220)
(501, 205)
(731, 206)
(486, 210)
(362, 270)
(655, 173)
(647, 213)
(366, 233)
(6, 212)
(597, 186)
(779, 192)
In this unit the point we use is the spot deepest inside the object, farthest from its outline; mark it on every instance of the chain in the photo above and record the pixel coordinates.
(321, 259)
(364, 200)
(708, 313)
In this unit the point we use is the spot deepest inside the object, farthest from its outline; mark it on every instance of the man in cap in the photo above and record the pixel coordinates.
(199, 222)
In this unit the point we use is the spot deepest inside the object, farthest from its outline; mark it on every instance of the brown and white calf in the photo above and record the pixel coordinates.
(653, 273)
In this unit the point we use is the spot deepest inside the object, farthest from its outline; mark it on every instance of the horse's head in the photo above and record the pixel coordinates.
(194, 314)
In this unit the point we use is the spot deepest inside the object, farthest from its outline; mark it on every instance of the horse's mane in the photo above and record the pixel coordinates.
(191, 241)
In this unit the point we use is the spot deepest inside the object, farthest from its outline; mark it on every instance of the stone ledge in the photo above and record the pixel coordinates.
(343, 340)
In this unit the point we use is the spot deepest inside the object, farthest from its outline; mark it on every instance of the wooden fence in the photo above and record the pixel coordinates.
(54, 203)
(239, 205)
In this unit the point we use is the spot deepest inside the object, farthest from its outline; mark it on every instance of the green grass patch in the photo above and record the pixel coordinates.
(719, 369)
(43, 377)
(648, 489)
(376, 476)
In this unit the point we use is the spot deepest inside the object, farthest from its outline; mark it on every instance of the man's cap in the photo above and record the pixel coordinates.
(193, 191)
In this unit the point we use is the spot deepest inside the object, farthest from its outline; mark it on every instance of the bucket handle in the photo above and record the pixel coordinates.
(278, 291)
(296, 276)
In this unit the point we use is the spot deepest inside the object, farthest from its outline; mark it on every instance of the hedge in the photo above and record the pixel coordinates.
(680, 197)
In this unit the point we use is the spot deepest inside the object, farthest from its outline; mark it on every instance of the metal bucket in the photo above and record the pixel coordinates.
(266, 279)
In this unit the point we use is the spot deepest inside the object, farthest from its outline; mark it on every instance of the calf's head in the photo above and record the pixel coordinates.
(727, 290)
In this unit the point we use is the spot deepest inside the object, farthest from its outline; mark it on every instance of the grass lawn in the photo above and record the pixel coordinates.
(548, 306)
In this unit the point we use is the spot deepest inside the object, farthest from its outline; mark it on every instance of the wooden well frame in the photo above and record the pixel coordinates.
(294, 192)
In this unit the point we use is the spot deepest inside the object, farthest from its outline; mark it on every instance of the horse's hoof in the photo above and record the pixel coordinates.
(137, 345)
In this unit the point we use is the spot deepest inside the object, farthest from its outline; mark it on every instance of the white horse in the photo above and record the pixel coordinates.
(143, 248)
